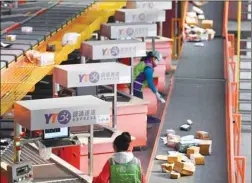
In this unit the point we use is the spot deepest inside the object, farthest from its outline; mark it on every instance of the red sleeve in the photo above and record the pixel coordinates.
(143, 177)
(104, 175)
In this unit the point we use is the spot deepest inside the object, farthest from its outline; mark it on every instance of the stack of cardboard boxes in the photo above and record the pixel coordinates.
(197, 28)
(190, 151)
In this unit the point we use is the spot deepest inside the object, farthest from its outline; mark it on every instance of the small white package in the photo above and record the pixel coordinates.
(26, 29)
(70, 38)
(197, 10)
(45, 59)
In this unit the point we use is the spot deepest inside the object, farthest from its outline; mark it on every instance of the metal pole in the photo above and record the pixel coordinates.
(16, 4)
(153, 43)
(160, 28)
(55, 88)
(132, 76)
(17, 153)
(91, 151)
(239, 9)
(114, 107)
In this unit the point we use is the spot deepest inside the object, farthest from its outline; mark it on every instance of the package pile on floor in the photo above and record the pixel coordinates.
(189, 151)
(197, 28)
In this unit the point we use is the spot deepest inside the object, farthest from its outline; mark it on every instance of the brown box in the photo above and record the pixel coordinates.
(205, 147)
(167, 166)
(174, 158)
(175, 175)
(197, 159)
(192, 150)
(207, 24)
(202, 134)
(192, 21)
(185, 168)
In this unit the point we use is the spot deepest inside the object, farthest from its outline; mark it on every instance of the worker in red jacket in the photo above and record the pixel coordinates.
(123, 166)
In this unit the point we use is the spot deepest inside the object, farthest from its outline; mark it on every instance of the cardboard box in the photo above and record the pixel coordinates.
(174, 158)
(175, 175)
(202, 135)
(192, 150)
(167, 167)
(205, 147)
(184, 168)
(207, 24)
(211, 34)
(197, 159)
(192, 21)
(172, 140)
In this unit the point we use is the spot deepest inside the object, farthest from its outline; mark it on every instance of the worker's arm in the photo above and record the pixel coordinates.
(148, 72)
(104, 175)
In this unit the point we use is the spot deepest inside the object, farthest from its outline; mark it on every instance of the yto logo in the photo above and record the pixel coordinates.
(63, 117)
(93, 77)
(141, 17)
(130, 31)
(114, 51)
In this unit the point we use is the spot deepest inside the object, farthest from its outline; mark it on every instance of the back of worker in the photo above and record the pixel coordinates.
(123, 166)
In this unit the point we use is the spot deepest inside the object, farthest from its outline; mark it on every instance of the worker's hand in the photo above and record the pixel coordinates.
(160, 98)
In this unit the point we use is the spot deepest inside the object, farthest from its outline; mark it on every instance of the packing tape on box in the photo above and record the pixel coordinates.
(27, 29)
(11, 37)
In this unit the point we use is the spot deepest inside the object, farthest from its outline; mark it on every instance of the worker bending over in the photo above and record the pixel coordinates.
(123, 167)
(143, 75)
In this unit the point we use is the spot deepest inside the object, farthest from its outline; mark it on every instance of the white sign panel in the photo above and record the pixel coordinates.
(128, 30)
(165, 5)
(140, 15)
(113, 49)
(93, 74)
(61, 112)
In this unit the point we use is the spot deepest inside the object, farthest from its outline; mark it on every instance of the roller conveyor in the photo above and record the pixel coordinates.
(43, 170)
(23, 47)
(44, 25)
(39, 38)
(21, 41)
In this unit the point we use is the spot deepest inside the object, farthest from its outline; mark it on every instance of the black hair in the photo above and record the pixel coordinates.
(122, 142)
(149, 54)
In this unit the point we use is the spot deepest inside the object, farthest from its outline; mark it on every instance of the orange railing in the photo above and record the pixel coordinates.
(177, 29)
(236, 163)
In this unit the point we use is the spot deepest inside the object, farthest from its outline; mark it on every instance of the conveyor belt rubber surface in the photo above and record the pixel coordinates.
(199, 94)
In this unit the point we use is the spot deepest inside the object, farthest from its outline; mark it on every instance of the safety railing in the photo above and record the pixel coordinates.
(177, 29)
(236, 163)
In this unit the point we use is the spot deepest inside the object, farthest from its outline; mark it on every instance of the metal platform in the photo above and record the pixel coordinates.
(199, 94)
(44, 170)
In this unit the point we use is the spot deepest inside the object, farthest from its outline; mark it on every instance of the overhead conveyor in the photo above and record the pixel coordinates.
(20, 77)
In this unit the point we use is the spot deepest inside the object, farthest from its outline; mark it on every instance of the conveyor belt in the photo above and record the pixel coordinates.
(44, 170)
(50, 21)
(199, 94)
(21, 77)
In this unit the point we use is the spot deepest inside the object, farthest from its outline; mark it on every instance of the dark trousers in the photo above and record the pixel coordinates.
(138, 94)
